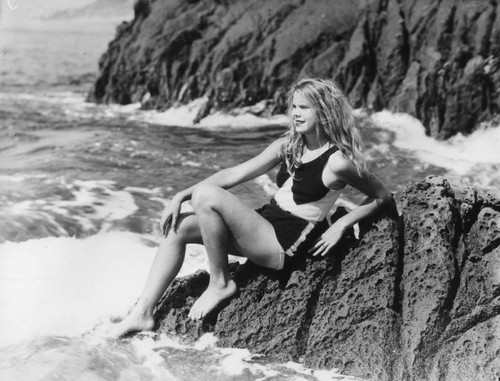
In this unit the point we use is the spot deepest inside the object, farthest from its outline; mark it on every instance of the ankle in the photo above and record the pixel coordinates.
(220, 281)
(143, 309)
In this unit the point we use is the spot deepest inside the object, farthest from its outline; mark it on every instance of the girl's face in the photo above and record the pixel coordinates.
(303, 115)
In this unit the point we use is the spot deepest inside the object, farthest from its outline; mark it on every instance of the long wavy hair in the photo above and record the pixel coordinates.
(333, 115)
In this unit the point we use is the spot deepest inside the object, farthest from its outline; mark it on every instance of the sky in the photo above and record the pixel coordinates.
(34, 9)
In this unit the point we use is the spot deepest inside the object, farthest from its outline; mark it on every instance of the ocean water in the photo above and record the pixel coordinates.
(82, 187)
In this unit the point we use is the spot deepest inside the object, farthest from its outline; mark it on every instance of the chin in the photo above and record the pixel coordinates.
(303, 130)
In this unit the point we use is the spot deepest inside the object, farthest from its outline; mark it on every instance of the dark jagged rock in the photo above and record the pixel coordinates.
(437, 60)
(415, 297)
(470, 346)
(358, 303)
(430, 272)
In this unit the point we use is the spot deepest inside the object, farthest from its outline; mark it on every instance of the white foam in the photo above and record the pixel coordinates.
(102, 205)
(156, 190)
(320, 375)
(207, 340)
(182, 115)
(116, 206)
(18, 178)
(65, 286)
(234, 362)
(458, 153)
(12, 179)
(76, 107)
(73, 105)
(185, 115)
(190, 163)
(244, 120)
(146, 349)
(469, 161)
(268, 185)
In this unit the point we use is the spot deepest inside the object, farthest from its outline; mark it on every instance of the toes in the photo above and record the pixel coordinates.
(199, 315)
(194, 314)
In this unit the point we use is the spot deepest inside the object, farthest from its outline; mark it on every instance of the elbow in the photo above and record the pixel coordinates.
(386, 200)
(231, 177)
(389, 204)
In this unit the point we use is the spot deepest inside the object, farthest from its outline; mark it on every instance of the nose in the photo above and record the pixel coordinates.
(296, 112)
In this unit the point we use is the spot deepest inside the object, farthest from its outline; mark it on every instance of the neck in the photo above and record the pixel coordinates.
(313, 142)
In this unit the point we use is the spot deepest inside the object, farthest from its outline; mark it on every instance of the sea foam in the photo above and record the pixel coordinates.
(65, 286)
(470, 161)
(459, 153)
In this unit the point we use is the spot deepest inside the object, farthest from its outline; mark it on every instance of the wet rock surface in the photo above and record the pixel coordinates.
(437, 60)
(415, 297)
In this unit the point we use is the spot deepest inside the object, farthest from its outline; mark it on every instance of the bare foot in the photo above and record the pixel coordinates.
(132, 323)
(211, 298)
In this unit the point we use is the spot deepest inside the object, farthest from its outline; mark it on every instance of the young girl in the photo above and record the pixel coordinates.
(320, 155)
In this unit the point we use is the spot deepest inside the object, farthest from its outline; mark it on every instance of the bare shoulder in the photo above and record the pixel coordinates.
(343, 169)
(277, 145)
(340, 164)
(280, 142)
(272, 152)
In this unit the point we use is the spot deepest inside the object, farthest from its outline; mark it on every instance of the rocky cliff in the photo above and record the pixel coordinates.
(415, 297)
(438, 60)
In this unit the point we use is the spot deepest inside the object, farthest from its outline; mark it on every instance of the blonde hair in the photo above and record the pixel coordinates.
(333, 115)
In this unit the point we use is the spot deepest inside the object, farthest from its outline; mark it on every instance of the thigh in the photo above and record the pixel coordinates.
(251, 235)
(189, 232)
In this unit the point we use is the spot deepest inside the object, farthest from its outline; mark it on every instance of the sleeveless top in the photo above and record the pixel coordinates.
(304, 194)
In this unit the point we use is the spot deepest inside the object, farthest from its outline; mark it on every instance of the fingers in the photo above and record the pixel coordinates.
(165, 226)
(320, 247)
(171, 222)
(174, 223)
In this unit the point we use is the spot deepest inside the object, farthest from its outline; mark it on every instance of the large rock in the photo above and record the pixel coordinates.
(430, 272)
(469, 348)
(415, 297)
(356, 321)
(437, 60)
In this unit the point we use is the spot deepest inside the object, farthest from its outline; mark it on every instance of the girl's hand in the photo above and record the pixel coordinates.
(328, 239)
(170, 215)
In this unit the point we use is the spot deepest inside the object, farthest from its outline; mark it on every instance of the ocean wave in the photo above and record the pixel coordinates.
(66, 286)
(471, 161)
(81, 207)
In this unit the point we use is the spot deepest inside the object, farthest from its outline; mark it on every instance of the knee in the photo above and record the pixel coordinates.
(187, 230)
(206, 196)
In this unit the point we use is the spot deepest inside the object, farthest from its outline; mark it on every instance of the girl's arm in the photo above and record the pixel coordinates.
(248, 170)
(344, 171)
(225, 178)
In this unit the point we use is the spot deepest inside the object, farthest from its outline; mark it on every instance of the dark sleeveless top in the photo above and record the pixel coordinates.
(307, 183)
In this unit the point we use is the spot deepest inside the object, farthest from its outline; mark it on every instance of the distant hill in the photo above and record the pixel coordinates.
(102, 8)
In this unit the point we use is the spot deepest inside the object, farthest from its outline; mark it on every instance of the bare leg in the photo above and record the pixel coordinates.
(165, 267)
(215, 235)
(221, 217)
